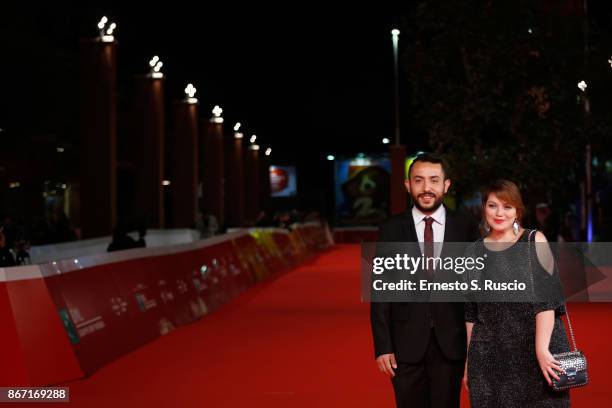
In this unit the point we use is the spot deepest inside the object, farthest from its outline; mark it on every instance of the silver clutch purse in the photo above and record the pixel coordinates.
(573, 362)
(575, 372)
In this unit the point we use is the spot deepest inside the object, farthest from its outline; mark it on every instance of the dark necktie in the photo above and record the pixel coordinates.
(429, 245)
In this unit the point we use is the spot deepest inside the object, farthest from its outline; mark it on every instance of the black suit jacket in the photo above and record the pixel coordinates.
(404, 328)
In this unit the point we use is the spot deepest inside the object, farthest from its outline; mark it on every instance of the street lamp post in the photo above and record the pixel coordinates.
(98, 132)
(396, 150)
(395, 36)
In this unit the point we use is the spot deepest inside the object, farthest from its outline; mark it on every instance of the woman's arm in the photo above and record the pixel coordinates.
(545, 322)
(544, 253)
(547, 286)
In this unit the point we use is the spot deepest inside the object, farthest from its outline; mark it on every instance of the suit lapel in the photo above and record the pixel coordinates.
(409, 228)
(449, 231)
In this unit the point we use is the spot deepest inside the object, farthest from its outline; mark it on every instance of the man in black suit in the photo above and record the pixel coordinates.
(422, 346)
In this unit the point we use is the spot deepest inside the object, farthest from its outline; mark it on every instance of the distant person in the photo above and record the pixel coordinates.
(208, 225)
(313, 216)
(199, 223)
(59, 228)
(263, 219)
(545, 221)
(285, 221)
(22, 256)
(6, 256)
(64, 228)
(9, 231)
(141, 242)
(295, 216)
(121, 241)
(566, 232)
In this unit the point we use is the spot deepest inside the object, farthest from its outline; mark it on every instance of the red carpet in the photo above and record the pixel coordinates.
(302, 340)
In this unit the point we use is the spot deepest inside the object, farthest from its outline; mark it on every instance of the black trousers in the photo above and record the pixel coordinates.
(434, 382)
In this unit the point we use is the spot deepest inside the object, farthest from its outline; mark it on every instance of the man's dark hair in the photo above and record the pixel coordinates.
(431, 158)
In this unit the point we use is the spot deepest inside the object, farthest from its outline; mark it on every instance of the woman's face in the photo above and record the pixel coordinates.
(499, 214)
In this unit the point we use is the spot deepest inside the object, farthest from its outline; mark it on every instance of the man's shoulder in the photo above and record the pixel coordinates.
(394, 229)
(395, 220)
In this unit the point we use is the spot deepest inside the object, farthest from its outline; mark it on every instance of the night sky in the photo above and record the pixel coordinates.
(308, 82)
(304, 78)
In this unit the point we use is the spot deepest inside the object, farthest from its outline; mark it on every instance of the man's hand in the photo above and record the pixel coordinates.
(386, 364)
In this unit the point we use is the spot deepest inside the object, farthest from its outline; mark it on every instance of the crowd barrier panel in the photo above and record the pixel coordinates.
(65, 319)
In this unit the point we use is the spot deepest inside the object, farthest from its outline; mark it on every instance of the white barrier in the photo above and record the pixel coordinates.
(75, 249)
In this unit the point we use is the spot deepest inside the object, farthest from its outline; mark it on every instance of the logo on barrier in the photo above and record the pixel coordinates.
(181, 286)
(75, 315)
(197, 285)
(199, 308)
(204, 271)
(145, 304)
(91, 326)
(118, 305)
(220, 266)
(69, 326)
(165, 294)
(234, 270)
(165, 326)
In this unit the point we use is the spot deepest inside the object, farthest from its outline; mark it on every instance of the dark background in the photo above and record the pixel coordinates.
(309, 81)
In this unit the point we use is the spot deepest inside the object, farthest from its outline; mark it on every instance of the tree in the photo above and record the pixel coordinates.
(494, 84)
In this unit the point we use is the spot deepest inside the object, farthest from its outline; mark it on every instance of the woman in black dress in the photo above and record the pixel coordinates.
(510, 359)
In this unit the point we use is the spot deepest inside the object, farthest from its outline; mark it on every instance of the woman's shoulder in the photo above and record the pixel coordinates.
(534, 235)
(543, 251)
(475, 246)
(539, 236)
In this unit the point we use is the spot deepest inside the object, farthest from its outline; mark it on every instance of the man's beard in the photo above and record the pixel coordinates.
(437, 203)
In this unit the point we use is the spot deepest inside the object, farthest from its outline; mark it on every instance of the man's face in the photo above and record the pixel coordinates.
(427, 186)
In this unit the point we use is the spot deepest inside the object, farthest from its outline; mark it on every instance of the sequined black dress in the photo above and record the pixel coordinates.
(502, 366)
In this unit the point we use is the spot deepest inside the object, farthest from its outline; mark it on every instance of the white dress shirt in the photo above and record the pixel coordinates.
(439, 217)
